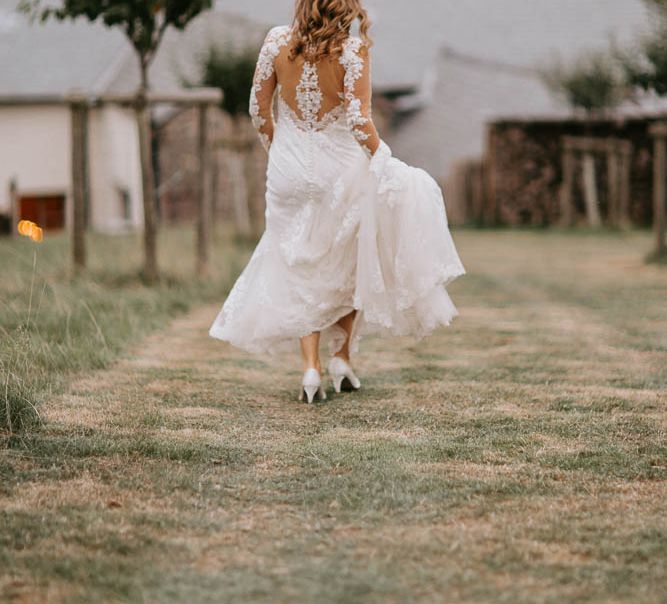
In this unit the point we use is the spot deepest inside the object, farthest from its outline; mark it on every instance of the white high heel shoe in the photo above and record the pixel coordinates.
(311, 386)
(342, 376)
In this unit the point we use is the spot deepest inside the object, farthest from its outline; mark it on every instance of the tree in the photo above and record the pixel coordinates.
(646, 64)
(594, 83)
(232, 71)
(646, 69)
(144, 24)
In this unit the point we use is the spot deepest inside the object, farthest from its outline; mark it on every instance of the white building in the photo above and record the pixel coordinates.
(40, 65)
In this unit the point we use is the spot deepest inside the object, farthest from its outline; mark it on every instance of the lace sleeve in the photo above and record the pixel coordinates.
(264, 85)
(358, 93)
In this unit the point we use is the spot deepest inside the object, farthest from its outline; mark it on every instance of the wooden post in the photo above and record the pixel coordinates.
(490, 214)
(239, 188)
(659, 132)
(14, 206)
(566, 209)
(205, 193)
(625, 174)
(591, 191)
(215, 189)
(79, 114)
(613, 188)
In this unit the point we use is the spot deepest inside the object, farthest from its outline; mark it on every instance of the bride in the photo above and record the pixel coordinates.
(356, 242)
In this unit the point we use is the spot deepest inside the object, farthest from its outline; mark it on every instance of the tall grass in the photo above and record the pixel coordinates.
(52, 324)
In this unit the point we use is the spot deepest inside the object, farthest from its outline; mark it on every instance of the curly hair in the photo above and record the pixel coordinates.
(321, 27)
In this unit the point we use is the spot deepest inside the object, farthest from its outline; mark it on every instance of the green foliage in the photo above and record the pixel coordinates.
(595, 82)
(646, 65)
(232, 71)
(143, 22)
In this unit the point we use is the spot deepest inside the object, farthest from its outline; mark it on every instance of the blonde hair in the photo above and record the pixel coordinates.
(321, 27)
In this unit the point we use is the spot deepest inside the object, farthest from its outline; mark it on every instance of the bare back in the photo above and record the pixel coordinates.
(314, 91)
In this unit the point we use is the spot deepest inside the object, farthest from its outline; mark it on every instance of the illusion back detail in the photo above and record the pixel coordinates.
(348, 227)
(315, 94)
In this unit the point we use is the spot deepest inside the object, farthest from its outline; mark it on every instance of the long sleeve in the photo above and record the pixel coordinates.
(264, 86)
(358, 94)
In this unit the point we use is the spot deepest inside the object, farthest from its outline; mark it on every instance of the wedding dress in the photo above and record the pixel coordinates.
(348, 226)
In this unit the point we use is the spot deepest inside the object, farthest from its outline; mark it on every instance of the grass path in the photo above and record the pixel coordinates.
(519, 456)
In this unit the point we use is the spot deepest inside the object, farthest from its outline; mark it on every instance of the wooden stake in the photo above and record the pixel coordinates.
(205, 194)
(566, 209)
(14, 207)
(613, 188)
(659, 193)
(624, 187)
(591, 192)
(79, 114)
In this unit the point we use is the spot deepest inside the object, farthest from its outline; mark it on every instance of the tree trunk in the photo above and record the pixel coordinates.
(204, 201)
(239, 186)
(143, 116)
(591, 191)
(659, 194)
(79, 114)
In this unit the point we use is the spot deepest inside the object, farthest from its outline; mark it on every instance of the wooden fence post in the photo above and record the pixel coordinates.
(624, 186)
(659, 132)
(14, 206)
(591, 191)
(566, 209)
(205, 193)
(613, 184)
(79, 114)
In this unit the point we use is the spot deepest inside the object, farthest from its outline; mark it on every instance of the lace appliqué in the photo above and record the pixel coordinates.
(329, 118)
(275, 40)
(309, 95)
(354, 66)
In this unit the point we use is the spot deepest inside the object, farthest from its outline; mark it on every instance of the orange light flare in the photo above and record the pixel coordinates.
(37, 234)
(27, 228)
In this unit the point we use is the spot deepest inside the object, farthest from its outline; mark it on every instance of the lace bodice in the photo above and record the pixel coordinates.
(314, 95)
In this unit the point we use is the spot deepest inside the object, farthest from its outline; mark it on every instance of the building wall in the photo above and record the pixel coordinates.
(115, 170)
(35, 149)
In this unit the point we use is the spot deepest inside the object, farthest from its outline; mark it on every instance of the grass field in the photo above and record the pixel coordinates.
(52, 325)
(517, 457)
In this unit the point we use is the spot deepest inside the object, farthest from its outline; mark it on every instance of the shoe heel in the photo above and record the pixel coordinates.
(310, 392)
(337, 382)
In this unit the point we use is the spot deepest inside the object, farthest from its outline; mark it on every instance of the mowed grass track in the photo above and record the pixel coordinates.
(518, 456)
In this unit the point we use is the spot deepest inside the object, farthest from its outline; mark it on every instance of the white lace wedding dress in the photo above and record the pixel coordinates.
(347, 225)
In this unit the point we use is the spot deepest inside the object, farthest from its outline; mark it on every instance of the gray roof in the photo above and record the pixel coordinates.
(54, 58)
